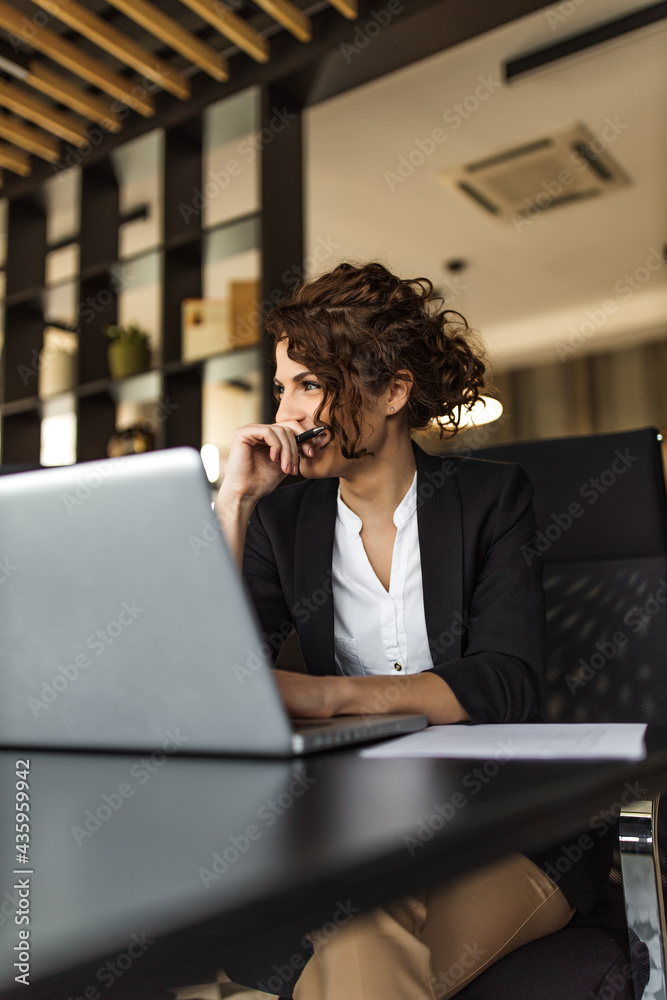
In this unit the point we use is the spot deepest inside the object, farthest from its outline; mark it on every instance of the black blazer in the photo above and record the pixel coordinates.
(483, 601)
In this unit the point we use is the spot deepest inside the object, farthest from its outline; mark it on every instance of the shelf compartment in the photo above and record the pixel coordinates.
(182, 280)
(98, 308)
(140, 294)
(230, 184)
(62, 198)
(100, 215)
(182, 179)
(137, 388)
(139, 168)
(58, 432)
(182, 410)
(21, 437)
(62, 264)
(26, 236)
(24, 333)
(96, 422)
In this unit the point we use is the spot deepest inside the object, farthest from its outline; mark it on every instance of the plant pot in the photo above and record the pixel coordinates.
(126, 358)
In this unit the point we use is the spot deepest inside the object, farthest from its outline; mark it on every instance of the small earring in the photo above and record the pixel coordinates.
(391, 408)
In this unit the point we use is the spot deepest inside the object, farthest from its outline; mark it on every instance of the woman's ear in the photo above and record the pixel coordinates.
(399, 391)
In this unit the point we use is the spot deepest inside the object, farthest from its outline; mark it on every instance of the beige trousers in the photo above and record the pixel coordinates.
(432, 944)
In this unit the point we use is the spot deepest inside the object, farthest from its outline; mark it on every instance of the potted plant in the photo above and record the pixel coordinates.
(129, 351)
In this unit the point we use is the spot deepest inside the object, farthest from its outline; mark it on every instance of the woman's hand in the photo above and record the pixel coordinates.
(308, 697)
(315, 697)
(260, 456)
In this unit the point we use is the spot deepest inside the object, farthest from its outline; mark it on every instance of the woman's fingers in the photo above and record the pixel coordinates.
(290, 431)
(282, 447)
(291, 450)
(281, 442)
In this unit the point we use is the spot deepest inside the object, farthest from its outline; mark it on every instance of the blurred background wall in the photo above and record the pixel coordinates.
(529, 189)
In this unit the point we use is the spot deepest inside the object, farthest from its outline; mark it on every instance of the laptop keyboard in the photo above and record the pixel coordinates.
(304, 723)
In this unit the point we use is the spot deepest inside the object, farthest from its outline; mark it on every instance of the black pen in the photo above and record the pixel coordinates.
(307, 435)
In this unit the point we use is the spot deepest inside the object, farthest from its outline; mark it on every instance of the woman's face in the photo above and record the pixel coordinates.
(299, 394)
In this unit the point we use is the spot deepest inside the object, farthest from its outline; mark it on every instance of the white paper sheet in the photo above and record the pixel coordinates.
(530, 741)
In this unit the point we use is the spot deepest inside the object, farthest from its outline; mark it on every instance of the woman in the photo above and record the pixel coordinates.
(429, 606)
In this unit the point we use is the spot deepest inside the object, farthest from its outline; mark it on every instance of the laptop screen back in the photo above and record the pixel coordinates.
(124, 619)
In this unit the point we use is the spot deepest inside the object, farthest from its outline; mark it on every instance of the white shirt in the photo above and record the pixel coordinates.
(378, 631)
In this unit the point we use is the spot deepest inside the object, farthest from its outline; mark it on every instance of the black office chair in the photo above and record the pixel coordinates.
(601, 513)
(601, 559)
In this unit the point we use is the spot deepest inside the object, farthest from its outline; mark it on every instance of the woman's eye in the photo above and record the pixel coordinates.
(278, 389)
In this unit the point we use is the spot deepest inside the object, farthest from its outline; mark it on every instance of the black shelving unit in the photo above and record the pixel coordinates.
(182, 260)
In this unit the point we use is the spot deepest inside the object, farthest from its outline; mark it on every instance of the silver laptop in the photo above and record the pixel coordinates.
(126, 624)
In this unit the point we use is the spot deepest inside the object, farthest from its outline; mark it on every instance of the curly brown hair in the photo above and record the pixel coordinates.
(356, 328)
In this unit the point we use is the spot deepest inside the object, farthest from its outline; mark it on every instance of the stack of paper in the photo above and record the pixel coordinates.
(530, 741)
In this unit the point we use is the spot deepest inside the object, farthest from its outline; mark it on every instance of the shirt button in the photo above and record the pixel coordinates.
(397, 666)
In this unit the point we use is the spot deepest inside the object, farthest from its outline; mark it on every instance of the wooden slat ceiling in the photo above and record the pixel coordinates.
(67, 64)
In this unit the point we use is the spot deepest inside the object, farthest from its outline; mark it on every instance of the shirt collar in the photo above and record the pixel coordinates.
(403, 512)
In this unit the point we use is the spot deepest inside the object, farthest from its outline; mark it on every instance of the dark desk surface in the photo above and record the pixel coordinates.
(121, 848)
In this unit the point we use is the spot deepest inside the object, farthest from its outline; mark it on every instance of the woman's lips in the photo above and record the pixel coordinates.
(311, 447)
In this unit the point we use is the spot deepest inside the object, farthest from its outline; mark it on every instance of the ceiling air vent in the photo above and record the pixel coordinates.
(556, 170)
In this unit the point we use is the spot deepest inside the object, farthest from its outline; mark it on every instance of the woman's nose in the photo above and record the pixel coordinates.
(288, 409)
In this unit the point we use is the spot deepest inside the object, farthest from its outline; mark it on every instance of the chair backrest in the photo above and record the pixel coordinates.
(601, 511)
